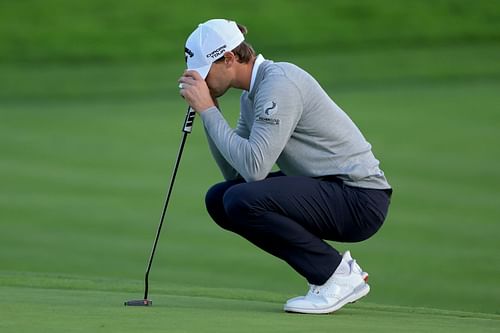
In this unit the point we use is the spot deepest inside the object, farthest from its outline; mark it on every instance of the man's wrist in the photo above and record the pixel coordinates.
(213, 107)
(206, 108)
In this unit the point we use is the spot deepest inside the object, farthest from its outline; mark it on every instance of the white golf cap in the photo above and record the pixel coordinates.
(209, 42)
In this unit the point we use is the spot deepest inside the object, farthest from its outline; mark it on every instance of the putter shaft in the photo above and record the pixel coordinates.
(186, 129)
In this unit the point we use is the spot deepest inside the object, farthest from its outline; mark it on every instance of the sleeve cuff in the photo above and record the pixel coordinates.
(210, 113)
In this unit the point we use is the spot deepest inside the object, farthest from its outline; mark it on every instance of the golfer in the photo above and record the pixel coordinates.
(329, 185)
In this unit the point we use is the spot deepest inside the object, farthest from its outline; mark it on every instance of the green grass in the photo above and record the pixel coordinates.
(68, 304)
(83, 181)
(127, 30)
(86, 152)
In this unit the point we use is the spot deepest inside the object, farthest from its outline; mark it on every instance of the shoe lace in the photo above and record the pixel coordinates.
(314, 289)
(355, 267)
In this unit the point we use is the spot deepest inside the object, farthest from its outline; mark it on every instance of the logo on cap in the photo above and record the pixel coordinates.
(188, 52)
(218, 52)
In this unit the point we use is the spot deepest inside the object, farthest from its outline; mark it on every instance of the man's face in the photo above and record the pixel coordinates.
(218, 79)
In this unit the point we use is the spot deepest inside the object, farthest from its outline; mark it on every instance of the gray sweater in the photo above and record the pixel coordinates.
(288, 119)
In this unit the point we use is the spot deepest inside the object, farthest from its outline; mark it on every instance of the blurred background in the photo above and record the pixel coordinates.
(90, 123)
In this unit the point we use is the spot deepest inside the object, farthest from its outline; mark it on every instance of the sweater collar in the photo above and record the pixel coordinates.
(258, 61)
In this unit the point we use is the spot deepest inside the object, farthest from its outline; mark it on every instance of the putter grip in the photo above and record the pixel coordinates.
(188, 122)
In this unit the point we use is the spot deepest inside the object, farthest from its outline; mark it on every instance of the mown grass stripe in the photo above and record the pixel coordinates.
(75, 283)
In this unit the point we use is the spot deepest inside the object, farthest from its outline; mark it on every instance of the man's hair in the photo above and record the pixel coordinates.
(244, 51)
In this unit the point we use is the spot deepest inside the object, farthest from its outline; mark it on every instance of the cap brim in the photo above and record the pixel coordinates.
(203, 71)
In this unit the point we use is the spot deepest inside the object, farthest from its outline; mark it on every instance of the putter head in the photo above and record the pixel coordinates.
(139, 302)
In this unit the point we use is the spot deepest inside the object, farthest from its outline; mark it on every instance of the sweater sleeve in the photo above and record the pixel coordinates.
(228, 172)
(277, 109)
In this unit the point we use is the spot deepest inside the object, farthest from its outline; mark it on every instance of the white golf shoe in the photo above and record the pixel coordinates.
(349, 259)
(346, 285)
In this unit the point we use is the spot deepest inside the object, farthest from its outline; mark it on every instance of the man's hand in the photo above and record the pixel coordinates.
(195, 91)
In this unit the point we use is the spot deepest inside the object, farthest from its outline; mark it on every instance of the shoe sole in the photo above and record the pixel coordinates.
(358, 293)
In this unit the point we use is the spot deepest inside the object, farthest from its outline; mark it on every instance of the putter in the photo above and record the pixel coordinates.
(187, 128)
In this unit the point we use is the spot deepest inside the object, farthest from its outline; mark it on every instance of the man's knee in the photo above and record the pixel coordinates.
(214, 202)
(239, 203)
(213, 198)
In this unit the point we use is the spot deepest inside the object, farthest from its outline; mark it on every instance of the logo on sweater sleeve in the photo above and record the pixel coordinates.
(270, 108)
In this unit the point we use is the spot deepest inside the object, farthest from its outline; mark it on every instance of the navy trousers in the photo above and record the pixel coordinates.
(290, 217)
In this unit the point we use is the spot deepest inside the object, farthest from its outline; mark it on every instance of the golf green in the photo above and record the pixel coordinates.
(35, 303)
(89, 136)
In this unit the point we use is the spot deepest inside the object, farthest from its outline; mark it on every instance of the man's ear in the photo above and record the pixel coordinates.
(229, 58)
